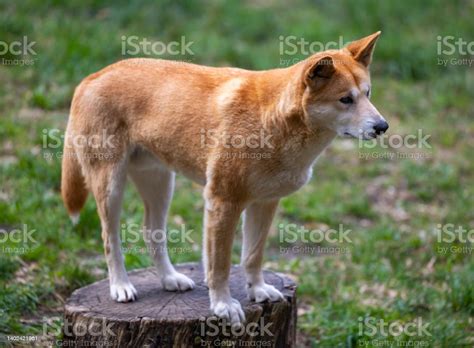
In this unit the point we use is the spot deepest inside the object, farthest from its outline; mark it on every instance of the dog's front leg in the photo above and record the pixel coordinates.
(257, 221)
(221, 218)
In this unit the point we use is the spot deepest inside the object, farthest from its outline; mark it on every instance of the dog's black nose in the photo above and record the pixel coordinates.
(380, 127)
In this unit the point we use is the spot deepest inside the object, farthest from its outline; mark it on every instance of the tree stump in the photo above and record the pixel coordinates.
(177, 319)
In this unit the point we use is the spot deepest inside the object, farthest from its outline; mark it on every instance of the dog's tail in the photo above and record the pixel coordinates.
(73, 186)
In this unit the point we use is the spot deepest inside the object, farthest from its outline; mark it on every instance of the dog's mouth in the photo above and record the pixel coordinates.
(369, 136)
(364, 136)
(349, 135)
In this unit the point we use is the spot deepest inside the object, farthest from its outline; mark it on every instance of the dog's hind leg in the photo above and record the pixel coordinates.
(155, 185)
(257, 221)
(107, 184)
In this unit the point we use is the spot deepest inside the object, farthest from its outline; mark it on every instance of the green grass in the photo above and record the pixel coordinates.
(394, 269)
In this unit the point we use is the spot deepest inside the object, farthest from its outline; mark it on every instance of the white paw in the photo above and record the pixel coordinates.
(229, 310)
(123, 292)
(263, 292)
(177, 282)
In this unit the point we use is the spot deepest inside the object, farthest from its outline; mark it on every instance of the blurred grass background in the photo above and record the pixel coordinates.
(394, 269)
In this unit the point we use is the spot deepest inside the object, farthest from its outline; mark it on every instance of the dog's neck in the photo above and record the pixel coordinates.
(280, 99)
(283, 115)
(316, 144)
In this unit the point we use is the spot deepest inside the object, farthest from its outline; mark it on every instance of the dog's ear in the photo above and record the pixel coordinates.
(362, 49)
(319, 71)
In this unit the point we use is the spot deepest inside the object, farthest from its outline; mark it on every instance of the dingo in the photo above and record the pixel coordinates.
(250, 137)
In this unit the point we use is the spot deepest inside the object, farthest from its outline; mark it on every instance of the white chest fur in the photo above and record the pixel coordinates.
(294, 170)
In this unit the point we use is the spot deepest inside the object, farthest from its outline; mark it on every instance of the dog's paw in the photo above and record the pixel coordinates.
(230, 311)
(263, 292)
(177, 282)
(123, 292)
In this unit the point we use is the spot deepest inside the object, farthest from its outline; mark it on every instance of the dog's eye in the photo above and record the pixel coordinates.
(368, 93)
(346, 100)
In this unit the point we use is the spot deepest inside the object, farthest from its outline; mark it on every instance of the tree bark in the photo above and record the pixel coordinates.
(177, 319)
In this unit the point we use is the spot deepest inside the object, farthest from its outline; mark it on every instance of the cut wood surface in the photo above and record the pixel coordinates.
(161, 318)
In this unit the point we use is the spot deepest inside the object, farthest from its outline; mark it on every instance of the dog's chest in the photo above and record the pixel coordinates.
(283, 183)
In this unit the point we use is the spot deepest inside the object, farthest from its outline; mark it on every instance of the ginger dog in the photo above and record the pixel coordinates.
(267, 129)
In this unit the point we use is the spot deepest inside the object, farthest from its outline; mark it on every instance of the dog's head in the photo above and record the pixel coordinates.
(337, 91)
